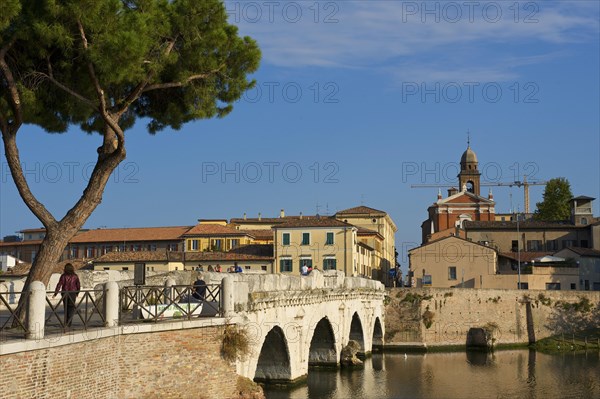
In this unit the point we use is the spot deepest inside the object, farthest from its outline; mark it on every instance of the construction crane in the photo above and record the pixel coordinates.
(518, 183)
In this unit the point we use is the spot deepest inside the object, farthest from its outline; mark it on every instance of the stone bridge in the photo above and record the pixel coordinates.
(291, 322)
(296, 322)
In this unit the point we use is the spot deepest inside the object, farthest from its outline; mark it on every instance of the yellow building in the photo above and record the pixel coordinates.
(381, 223)
(208, 236)
(324, 243)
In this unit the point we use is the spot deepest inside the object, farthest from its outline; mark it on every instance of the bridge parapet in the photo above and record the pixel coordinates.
(262, 291)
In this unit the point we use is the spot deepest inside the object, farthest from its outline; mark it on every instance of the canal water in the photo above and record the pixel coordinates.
(503, 374)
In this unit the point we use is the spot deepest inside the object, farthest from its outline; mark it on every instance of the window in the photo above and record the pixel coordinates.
(534, 245)
(217, 245)
(515, 245)
(584, 221)
(306, 262)
(125, 268)
(151, 247)
(586, 285)
(263, 268)
(285, 238)
(552, 245)
(172, 247)
(524, 286)
(329, 240)
(89, 252)
(193, 245)
(285, 265)
(569, 243)
(553, 286)
(452, 273)
(247, 267)
(305, 238)
(235, 243)
(106, 268)
(136, 247)
(74, 253)
(573, 286)
(329, 264)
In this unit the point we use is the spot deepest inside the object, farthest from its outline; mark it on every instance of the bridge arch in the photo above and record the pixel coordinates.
(356, 332)
(274, 359)
(377, 334)
(322, 345)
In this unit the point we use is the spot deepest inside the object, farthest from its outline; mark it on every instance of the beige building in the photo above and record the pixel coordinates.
(453, 262)
(588, 261)
(324, 243)
(380, 222)
(256, 258)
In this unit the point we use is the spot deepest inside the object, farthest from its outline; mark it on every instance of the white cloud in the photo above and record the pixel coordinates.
(403, 38)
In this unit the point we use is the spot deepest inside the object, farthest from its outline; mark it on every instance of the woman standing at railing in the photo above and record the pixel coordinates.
(69, 286)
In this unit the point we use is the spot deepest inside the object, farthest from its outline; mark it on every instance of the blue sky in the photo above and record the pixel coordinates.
(356, 101)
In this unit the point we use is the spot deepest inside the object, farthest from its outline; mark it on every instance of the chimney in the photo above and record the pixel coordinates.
(439, 194)
(300, 215)
(259, 216)
(282, 214)
(490, 195)
(244, 215)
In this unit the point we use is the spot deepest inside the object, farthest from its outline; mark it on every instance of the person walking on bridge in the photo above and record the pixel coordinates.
(69, 286)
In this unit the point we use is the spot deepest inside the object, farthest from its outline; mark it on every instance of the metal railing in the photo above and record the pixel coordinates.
(88, 310)
(157, 303)
(10, 324)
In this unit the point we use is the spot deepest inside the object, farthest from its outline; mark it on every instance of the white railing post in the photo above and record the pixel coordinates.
(227, 299)
(37, 310)
(111, 304)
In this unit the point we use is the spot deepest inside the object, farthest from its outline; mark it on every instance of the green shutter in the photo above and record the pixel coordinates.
(286, 238)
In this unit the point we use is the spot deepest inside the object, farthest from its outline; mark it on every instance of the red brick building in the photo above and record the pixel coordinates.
(446, 214)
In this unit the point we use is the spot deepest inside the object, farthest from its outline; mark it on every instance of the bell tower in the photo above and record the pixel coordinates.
(469, 175)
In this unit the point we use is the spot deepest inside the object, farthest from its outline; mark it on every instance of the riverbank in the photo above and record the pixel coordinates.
(428, 319)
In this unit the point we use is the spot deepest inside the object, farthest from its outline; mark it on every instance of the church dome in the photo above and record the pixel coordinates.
(468, 157)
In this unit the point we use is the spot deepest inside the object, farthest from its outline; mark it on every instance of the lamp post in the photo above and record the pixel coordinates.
(518, 253)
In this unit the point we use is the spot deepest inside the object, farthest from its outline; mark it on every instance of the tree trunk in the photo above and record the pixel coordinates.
(58, 234)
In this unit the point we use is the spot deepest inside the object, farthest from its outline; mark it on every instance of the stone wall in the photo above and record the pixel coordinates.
(184, 363)
(440, 317)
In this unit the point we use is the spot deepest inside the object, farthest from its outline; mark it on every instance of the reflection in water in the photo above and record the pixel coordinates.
(502, 374)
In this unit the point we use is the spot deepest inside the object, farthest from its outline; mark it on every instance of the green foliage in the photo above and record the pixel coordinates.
(544, 300)
(555, 205)
(170, 62)
(415, 298)
(235, 343)
(428, 318)
(583, 305)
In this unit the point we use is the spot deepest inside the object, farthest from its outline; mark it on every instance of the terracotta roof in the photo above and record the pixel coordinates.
(524, 256)
(214, 230)
(359, 210)
(321, 222)
(260, 234)
(169, 233)
(20, 243)
(140, 256)
(584, 251)
(367, 232)
(276, 220)
(39, 230)
(448, 237)
(524, 224)
(223, 256)
(24, 267)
